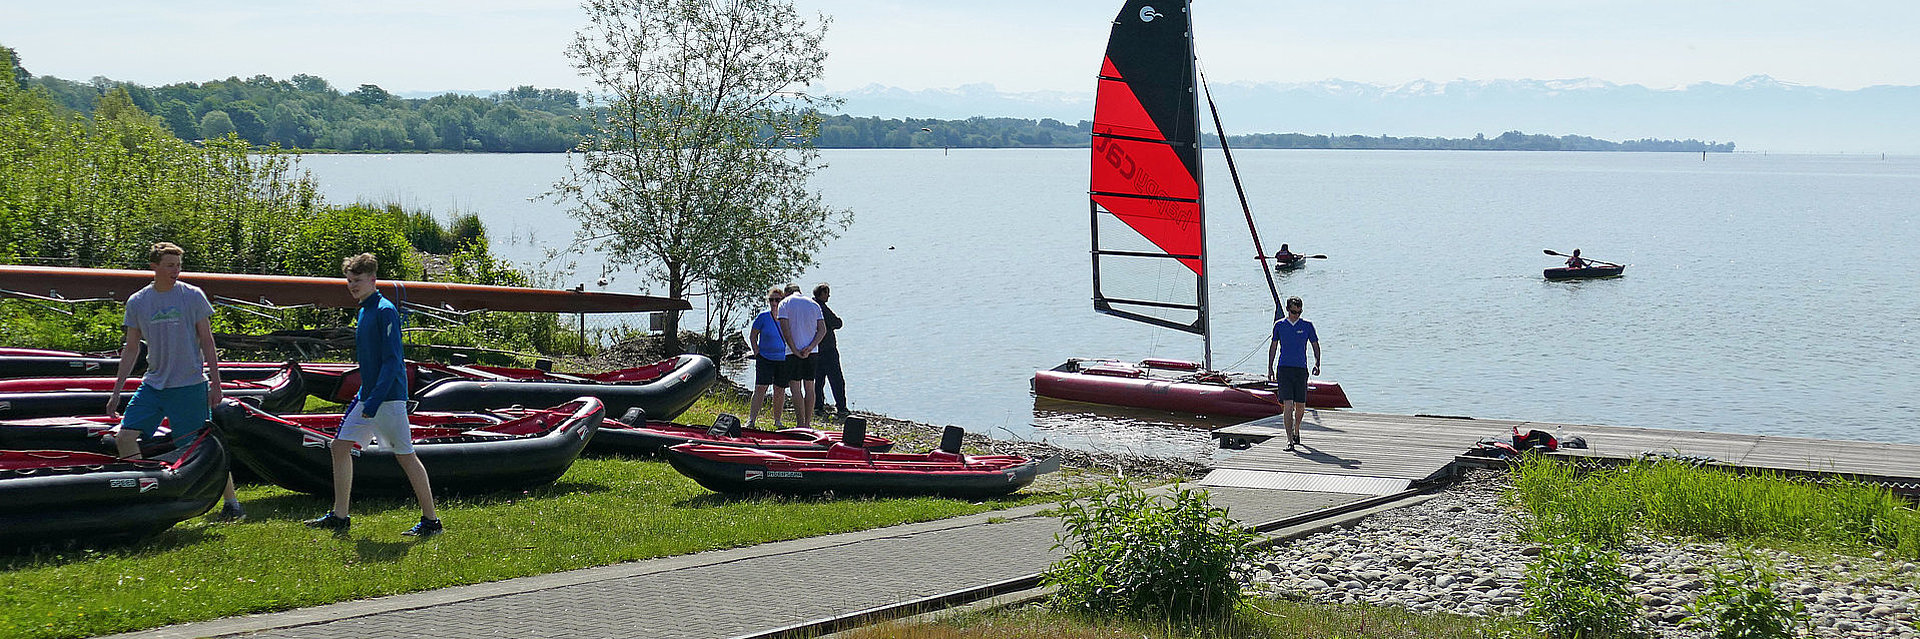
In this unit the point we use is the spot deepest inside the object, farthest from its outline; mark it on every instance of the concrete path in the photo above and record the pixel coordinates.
(741, 592)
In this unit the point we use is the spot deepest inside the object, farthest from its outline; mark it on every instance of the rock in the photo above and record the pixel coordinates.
(1530, 551)
(1443, 581)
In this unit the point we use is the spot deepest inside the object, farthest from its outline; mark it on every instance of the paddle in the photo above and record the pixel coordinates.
(1555, 254)
(1316, 256)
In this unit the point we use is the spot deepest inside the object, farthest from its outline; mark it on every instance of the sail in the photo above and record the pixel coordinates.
(1149, 239)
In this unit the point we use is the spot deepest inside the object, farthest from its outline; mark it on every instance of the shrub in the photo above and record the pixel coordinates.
(317, 248)
(466, 230)
(1576, 590)
(1741, 603)
(1150, 557)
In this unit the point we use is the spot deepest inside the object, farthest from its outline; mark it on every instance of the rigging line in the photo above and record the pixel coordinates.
(1235, 172)
(1250, 353)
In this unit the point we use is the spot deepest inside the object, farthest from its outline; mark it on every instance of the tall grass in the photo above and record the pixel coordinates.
(1601, 507)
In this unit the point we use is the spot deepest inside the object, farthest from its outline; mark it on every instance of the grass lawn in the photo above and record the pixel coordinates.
(605, 510)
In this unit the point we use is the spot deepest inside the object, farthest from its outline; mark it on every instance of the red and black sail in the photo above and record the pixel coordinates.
(1149, 239)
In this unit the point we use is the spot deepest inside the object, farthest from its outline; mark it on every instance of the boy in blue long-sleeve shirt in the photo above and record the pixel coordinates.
(379, 410)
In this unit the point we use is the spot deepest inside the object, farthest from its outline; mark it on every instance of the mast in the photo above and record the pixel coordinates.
(1200, 185)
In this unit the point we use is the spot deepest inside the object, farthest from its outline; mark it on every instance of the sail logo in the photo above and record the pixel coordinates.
(1147, 14)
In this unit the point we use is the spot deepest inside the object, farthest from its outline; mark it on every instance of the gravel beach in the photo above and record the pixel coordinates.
(1458, 553)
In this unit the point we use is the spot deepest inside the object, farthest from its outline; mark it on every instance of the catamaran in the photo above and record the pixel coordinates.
(1149, 228)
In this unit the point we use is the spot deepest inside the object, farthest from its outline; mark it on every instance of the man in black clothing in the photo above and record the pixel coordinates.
(827, 360)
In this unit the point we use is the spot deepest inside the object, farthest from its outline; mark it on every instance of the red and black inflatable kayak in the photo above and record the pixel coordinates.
(58, 396)
(463, 452)
(1585, 273)
(1174, 386)
(649, 437)
(54, 496)
(849, 469)
(30, 362)
(663, 389)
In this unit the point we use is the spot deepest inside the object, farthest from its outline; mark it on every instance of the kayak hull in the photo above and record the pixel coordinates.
(1193, 391)
(1587, 273)
(56, 496)
(463, 453)
(848, 470)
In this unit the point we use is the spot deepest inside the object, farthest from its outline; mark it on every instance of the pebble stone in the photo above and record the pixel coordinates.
(1459, 553)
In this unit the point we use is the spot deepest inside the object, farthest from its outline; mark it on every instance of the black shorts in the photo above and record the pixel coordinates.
(769, 372)
(1291, 382)
(799, 369)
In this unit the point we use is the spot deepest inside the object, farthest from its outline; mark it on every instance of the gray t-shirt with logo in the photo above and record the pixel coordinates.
(167, 321)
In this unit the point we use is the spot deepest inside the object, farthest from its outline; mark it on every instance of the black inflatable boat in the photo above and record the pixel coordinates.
(54, 496)
(58, 396)
(463, 452)
(663, 389)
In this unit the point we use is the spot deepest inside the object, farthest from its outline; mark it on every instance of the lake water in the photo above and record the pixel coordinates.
(1765, 294)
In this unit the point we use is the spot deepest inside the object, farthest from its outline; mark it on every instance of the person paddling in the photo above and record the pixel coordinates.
(1575, 261)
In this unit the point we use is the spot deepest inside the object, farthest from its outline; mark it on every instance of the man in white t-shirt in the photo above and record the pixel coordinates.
(802, 325)
(182, 383)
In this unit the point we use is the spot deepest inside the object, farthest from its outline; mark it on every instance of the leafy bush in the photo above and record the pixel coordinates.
(317, 248)
(1150, 557)
(1576, 590)
(1742, 604)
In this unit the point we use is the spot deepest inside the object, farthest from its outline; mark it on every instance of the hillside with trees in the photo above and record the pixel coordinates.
(307, 112)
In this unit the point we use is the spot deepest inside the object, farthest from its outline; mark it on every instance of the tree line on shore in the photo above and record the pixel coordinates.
(307, 112)
(97, 189)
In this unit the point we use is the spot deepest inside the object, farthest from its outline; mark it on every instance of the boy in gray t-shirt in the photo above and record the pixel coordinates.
(175, 319)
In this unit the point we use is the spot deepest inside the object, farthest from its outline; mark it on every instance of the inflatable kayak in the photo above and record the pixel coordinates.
(463, 452)
(1590, 272)
(56, 396)
(54, 496)
(1175, 386)
(634, 434)
(27, 362)
(663, 389)
(849, 469)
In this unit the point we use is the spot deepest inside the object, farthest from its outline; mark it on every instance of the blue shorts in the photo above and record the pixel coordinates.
(184, 409)
(1291, 382)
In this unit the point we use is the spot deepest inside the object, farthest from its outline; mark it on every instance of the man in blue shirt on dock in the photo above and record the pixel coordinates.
(379, 410)
(1291, 335)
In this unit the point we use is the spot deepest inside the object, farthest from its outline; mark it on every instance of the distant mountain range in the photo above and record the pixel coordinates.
(1758, 113)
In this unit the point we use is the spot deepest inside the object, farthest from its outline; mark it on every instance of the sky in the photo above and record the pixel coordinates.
(1015, 45)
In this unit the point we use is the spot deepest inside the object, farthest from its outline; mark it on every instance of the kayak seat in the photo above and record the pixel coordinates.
(843, 451)
(724, 425)
(943, 456)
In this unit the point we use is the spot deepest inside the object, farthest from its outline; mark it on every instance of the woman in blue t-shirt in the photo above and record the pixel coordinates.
(769, 351)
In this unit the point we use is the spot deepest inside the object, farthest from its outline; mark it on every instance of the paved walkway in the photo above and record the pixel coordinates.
(729, 593)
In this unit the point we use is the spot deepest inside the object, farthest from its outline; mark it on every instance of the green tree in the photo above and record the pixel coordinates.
(215, 124)
(706, 143)
(370, 95)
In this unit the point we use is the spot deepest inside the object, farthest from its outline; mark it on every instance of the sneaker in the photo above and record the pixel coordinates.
(426, 528)
(1289, 447)
(231, 512)
(331, 522)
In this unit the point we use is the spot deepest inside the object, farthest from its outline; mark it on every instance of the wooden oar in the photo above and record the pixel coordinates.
(1551, 252)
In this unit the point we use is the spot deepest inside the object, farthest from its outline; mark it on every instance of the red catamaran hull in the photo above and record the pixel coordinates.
(1176, 395)
(283, 290)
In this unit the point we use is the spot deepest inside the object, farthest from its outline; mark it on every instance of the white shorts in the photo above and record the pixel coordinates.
(389, 425)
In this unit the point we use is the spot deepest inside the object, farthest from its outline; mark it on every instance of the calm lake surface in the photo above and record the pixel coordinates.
(1765, 294)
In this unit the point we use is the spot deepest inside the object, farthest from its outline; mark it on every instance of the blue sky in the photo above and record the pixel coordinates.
(1016, 45)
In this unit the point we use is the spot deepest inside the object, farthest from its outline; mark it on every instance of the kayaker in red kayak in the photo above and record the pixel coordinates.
(1575, 261)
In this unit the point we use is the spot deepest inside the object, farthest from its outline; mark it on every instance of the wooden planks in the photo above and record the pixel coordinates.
(1422, 449)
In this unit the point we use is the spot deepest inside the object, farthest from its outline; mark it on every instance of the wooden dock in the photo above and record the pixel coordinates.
(1372, 453)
